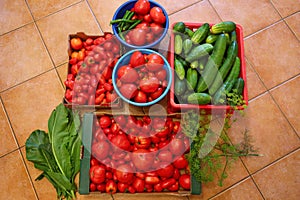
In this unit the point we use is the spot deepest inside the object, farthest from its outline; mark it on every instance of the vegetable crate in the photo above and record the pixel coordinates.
(91, 62)
(176, 105)
(131, 154)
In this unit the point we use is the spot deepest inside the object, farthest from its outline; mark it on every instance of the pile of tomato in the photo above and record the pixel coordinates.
(138, 154)
(143, 79)
(89, 79)
(151, 24)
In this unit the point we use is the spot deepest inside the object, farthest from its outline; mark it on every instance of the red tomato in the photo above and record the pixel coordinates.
(121, 141)
(147, 18)
(155, 62)
(177, 147)
(144, 26)
(124, 173)
(139, 185)
(122, 187)
(130, 75)
(158, 187)
(157, 15)
(161, 74)
(122, 70)
(104, 121)
(93, 187)
(97, 174)
(166, 170)
(101, 187)
(156, 28)
(149, 38)
(152, 180)
(181, 162)
(165, 156)
(142, 142)
(142, 7)
(149, 85)
(141, 97)
(111, 187)
(138, 36)
(100, 150)
(176, 174)
(174, 187)
(185, 181)
(142, 159)
(157, 93)
(120, 119)
(76, 43)
(129, 90)
(137, 59)
(168, 183)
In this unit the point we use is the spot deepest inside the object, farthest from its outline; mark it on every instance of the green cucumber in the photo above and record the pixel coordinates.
(183, 61)
(179, 86)
(214, 61)
(199, 51)
(235, 70)
(200, 34)
(179, 27)
(220, 96)
(211, 39)
(233, 36)
(194, 64)
(238, 86)
(223, 27)
(199, 98)
(191, 78)
(187, 46)
(189, 32)
(225, 68)
(178, 44)
(179, 69)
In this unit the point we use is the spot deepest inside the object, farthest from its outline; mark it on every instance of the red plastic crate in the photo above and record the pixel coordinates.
(175, 107)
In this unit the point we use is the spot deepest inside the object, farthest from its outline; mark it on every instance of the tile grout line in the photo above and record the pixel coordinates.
(215, 10)
(93, 14)
(18, 149)
(171, 13)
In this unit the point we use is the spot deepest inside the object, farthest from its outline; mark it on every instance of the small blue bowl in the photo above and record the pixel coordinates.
(128, 6)
(124, 60)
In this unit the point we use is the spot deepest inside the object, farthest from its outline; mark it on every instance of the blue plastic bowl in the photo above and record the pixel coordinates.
(124, 60)
(128, 6)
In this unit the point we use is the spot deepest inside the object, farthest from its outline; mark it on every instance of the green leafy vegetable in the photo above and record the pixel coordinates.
(57, 153)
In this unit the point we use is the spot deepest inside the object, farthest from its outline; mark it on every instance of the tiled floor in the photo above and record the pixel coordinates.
(33, 41)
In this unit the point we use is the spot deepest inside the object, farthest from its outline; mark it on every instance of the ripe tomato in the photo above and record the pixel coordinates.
(155, 62)
(142, 7)
(165, 156)
(156, 28)
(111, 187)
(157, 93)
(147, 18)
(122, 187)
(157, 15)
(139, 185)
(142, 142)
(166, 170)
(177, 147)
(129, 90)
(100, 150)
(130, 75)
(76, 43)
(142, 159)
(149, 38)
(124, 173)
(137, 59)
(149, 84)
(181, 163)
(185, 181)
(141, 97)
(121, 71)
(121, 120)
(161, 74)
(104, 121)
(138, 36)
(97, 174)
(144, 26)
(121, 141)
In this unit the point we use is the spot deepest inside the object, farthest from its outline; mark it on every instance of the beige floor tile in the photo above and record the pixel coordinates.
(283, 177)
(254, 84)
(287, 96)
(242, 191)
(198, 13)
(43, 8)
(8, 143)
(15, 182)
(148, 197)
(44, 188)
(30, 104)
(172, 7)
(245, 13)
(294, 23)
(286, 7)
(269, 132)
(13, 14)
(274, 54)
(55, 29)
(23, 56)
(63, 72)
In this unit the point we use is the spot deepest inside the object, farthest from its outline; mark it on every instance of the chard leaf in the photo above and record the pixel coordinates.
(75, 156)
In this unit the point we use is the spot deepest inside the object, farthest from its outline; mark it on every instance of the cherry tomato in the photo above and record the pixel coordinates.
(137, 59)
(145, 26)
(177, 147)
(124, 173)
(141, 97)
(138, 37)
(166, 170)
(149, 85)
(152, 180)
(121, 141)
(142, 142)
(120, 119)
(149, 38)
(161, 74)
(168, 183)
(156, 28)
(155, 62)
(104, 121)
(122, 187)
(157, 15)
(142, 7)
(129, 90)
(185, 181)
(76, 43)
(130, 75)
(181, 162)
(165, 156)
(111, 187)
(147, 18)
(157, 93)
(139, 185)
(97, 174)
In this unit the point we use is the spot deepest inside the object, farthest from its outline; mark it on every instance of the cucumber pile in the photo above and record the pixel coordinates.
(206, 63)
